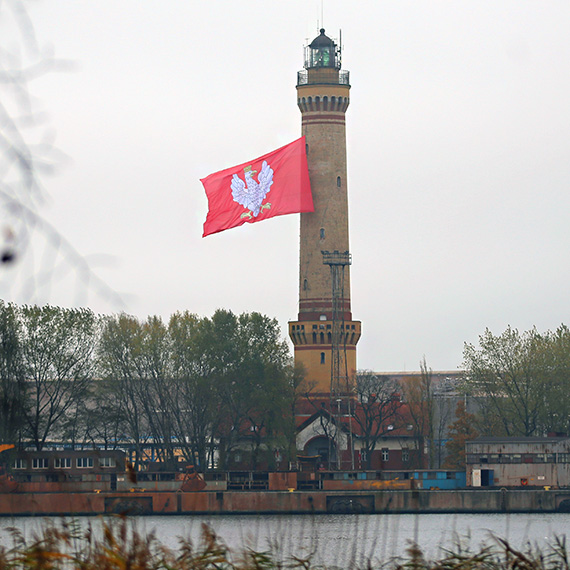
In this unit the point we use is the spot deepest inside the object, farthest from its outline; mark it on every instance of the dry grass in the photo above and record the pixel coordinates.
(121, 547)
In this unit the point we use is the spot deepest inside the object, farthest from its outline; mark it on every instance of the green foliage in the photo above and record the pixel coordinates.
(197, 384)
(201, 382)
(521, 380)
(46, 366)
(58, 356)
(13, 400)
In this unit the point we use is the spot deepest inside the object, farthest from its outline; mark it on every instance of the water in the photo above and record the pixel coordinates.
(342, 540)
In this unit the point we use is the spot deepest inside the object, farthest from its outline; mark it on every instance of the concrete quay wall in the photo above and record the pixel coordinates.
(275, 502)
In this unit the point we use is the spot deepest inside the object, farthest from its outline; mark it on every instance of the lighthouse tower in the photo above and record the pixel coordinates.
(324, 335)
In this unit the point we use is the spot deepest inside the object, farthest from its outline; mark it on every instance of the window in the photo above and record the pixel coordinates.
(40, 463)
(305, 284)
(20, 464)
(322, 357)
(563, 457)
(385, 455)
(338, 181)
(107, 462)
(322, 233)
(84, 462)
(62, 463)
(405, 455)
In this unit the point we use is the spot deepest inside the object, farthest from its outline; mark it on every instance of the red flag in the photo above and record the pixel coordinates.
(272, 185)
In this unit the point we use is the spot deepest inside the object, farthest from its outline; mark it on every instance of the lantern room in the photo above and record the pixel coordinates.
(322, 52)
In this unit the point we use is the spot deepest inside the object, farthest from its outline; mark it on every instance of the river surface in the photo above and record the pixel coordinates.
(342, 541)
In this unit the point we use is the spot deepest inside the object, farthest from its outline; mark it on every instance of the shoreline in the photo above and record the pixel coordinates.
(388, 501)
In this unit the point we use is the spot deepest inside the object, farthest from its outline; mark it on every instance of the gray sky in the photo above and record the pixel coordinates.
(458, 155)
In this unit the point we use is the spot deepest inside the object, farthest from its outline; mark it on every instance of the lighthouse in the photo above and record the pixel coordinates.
(325, 335)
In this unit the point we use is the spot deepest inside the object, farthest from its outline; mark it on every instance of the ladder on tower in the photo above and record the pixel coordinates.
(340, 385)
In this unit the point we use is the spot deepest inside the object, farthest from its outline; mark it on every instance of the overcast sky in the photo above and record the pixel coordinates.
(458, 161)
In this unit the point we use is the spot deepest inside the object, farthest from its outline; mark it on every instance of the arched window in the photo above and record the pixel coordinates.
(338, 181)
(305, 284)
(322, 233)
(322, 357)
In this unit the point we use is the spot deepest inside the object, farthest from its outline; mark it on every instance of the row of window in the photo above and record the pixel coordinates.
(519, 458)
(64, 463)
(386, 454)
(323, 318)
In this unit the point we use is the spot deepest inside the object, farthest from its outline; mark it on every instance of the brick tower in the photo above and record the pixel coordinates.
(325, 336)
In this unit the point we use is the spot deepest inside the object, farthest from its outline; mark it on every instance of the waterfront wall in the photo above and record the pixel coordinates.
(275, 502)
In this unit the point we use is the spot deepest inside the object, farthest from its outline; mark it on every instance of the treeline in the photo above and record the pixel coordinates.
(521, 382)
(194, 384)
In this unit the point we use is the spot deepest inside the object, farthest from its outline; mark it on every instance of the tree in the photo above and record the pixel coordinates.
(443, 412)
(195, 400)
(460, 431)
(254, 375)
(155, 384)
(555, 361)
(57, 351)
(200, 384)
(378, 406)
(13, 397)
(507, 375)
(117, 353)
(419, 396)
(104, 424)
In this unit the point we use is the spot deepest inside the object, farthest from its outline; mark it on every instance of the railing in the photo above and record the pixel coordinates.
(343, 78)
(336, 258)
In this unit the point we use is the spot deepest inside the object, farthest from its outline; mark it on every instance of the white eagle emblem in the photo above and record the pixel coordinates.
(250, 194)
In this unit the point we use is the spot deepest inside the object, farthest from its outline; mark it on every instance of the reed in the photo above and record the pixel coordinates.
(118, 545)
